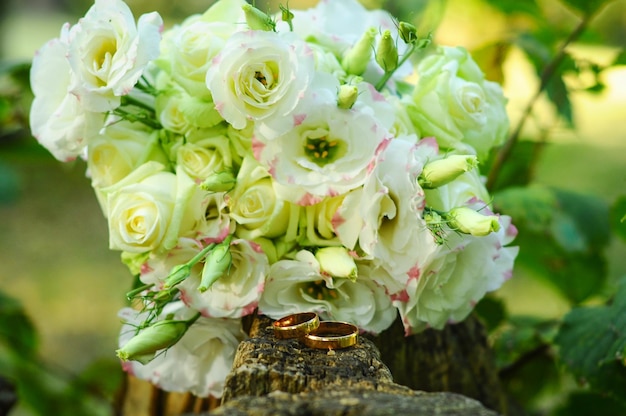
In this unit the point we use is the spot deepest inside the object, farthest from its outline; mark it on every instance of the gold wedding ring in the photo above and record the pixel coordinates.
(296, 325)
(332, 335)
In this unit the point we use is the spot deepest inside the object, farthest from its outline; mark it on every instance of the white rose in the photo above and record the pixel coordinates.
(394, 233)
(298, 285)
(108, 52)
(187, 50)
(149, 209)
(204, 157)
(121, 147)
(57, 119)
(198, 363)
(461, 272)
(259, 74)
(254, 205)
(453, 102)
(236, 293)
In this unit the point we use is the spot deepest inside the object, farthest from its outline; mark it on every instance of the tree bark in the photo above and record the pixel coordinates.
(272, 376)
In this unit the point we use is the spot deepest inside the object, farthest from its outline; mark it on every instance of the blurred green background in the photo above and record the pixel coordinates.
(53, 237)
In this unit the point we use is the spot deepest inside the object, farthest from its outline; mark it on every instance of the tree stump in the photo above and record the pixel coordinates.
(272, 376)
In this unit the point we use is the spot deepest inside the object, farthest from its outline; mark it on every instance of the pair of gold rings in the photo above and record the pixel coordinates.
(315, 334)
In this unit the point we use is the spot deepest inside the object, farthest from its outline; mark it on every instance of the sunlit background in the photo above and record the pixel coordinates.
(53, 238)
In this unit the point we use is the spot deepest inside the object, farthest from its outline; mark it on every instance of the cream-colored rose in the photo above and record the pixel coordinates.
(453, 102)
(254, 205)
(259, 74)
(119, 149)
(108, 52)
(204, 158)
(187, 49)
(150, 208)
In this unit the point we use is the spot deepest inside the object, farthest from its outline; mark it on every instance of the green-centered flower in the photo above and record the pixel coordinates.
(442, 171)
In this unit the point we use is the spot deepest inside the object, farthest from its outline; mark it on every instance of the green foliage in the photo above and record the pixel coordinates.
(592, 343)
(585, 403)
(41, 390)
(562, 236)
(618, 217)
(587, 7)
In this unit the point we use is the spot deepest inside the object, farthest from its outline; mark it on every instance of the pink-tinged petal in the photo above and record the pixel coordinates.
(414, 273)
(257, 148)
(309, 199)
(184, 296)
(401, 296)
(127, 366)
(429, 142)
(145, 268)
(298, 119)
(376, 96)
(508, 274)
(249, 309)
(511, 231)
(337, 221)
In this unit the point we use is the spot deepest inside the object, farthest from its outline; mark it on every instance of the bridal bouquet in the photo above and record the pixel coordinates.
(280, 164)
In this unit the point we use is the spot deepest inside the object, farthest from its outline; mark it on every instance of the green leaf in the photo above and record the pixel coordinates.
(587, 7)
(592, 342)
(562, 237)
(618, 223)
(517, 171)
(620, 59)
(558, 94)
(491, 311)
(532, 207)
(585, 403)
(528, 7)
(17, 330)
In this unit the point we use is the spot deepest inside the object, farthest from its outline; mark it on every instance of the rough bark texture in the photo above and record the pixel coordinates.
(448, 372)
(284, 377)
(456, 359)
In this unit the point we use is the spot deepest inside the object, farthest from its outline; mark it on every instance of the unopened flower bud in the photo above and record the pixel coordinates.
(355, 60)
(217, 263)
(158, 336)
(442, 171)
(177, 275)
(336, 262)
(347, 96)
(257, 20)
(468, 221)
(387, 53)
(286, 15)
(408, 32)
(222, 181)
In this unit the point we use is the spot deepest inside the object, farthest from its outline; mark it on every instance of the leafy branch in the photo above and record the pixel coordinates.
(546, 76)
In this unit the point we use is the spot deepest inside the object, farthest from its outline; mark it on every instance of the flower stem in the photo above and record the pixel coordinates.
(546, 75)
